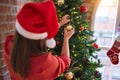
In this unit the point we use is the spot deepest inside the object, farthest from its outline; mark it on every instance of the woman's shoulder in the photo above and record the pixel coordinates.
(8, 43)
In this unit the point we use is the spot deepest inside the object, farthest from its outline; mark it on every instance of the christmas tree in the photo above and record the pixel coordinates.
(83, 51)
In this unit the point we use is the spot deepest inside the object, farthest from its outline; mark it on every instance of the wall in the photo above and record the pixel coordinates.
(118, 15)
(8, 10)
(92, 8)
(7, 23)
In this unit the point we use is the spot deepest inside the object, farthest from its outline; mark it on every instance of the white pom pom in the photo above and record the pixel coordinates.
(50, 43)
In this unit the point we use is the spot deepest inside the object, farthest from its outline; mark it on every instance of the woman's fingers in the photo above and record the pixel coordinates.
(65, 19)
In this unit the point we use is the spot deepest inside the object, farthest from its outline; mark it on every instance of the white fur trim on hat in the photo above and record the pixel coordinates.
(50, 43)
(28, 34)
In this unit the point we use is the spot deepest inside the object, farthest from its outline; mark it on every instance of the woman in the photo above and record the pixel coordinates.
(26, 53)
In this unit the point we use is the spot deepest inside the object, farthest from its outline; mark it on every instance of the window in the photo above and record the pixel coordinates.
(105, 19)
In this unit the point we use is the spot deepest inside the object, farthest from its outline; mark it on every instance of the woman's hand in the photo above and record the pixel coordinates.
(68, 33)
(65, 19)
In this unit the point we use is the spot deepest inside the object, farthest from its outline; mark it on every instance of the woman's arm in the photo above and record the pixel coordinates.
(65, 47)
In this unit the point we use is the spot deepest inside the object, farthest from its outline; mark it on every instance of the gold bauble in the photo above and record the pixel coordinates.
(69, 27)
(60, 2)
(69, 75)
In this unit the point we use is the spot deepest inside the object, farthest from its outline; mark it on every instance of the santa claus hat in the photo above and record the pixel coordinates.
(38, 21)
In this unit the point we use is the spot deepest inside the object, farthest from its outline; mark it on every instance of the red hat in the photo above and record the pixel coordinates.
(38, 21)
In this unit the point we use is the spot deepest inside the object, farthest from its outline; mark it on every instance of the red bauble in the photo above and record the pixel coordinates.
(95, 46)
(97, 75)
(83, 9)
(57, 42)
(87, 62)
(81, 28)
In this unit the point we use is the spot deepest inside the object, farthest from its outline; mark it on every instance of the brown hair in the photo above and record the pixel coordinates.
(21, 51)
(39, 0)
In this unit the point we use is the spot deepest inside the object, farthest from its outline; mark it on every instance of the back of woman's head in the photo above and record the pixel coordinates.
(21, 53)
(36, 25)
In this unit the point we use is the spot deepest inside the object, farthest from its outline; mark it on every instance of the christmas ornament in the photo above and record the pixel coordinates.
(97, 74)
(86, 62)
(69, 27)
(81, 28)
(113, 53)
(114, 57)
(95, 46)
(83, 9)
(57, 42)
(69, 75)
(60, 2)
